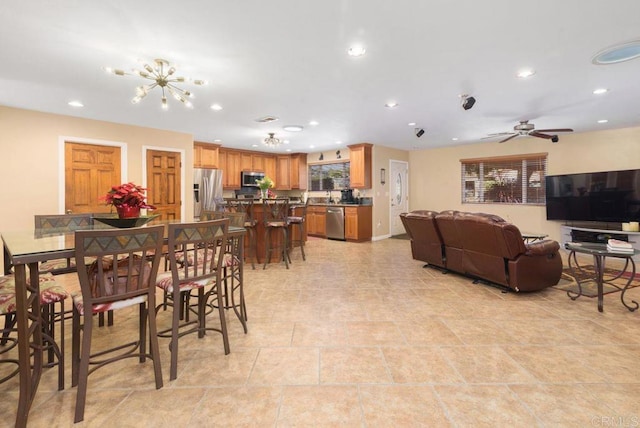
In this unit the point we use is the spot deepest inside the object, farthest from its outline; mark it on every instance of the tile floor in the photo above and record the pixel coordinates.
(362, 335)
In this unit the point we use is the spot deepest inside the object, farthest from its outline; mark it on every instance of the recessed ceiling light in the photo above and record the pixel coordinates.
(454, 139)
(254, 145)
(618, 53)
(600, 91)
(391, 104)
(285, 142)
(338, 142)
(217, 140)
(523, 74)
(293, 128)
(312, 146)
(411, 124)
(75, 103)
(287, 150)
(603, 121)
(216, 107)
(356, 50)
(313, 123)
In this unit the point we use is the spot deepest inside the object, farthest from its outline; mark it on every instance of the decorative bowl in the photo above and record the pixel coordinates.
(115, 221)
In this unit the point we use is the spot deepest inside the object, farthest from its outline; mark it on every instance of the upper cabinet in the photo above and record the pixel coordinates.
(206, 155)
(360, 159)
(298, 167)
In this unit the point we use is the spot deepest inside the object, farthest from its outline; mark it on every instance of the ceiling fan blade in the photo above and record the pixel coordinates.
(507, 139)
(555, 130)
(540, 135)
(497, 134)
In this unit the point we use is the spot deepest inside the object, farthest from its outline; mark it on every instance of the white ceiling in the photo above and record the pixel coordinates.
(288, 58)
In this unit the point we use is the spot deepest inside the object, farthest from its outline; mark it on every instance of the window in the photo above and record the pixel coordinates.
(329, 176)
(517, 179)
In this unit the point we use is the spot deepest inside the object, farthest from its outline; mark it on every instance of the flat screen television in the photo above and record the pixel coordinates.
(608, 196)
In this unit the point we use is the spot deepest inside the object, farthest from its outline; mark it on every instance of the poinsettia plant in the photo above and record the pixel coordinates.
(128, 194)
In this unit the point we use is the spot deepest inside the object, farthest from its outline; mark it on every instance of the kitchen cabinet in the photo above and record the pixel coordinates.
(246, 161)
(257, 162)
(231, 169)
(360, 164)
(270, 166)
(298, 169)
(283, 172)
(205, 155)
(358, 223)
(317, 221)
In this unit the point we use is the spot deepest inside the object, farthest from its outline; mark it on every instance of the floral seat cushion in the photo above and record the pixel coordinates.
(165, 281)
(50, 292)
(78, 302)
(228, 260)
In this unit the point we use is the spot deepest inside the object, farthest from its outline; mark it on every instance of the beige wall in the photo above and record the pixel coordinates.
(435, 174)
(29, 142)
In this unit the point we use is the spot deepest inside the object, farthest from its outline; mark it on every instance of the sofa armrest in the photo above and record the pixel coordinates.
(541, 248)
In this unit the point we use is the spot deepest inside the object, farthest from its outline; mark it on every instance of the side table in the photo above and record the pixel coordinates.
(600, 253)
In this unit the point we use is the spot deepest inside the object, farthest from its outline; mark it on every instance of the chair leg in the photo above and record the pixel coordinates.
(142, 320)
(223, 321)
(285, 246)
(9, 323)
(75, 346)
(83, 372)
(253, 247)
(173, 345)
(267, 247)
(153, 342)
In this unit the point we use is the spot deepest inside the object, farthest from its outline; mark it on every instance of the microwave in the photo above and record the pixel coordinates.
(248, 178)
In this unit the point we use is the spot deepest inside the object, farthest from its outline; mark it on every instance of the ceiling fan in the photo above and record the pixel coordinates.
(526, 128)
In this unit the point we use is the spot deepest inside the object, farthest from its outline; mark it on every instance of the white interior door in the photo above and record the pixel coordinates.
(399, 193)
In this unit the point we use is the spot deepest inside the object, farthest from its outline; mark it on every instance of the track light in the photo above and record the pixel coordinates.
(467, 101)
(419, 132)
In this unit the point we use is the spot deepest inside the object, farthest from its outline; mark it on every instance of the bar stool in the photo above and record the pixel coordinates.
(298, 221)
(275, 219)
(246, 206)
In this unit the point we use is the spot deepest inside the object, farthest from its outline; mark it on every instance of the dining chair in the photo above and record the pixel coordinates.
(297, 221)
(250, 224)
(275, 213)
(50, 294)
(232, 277)
(201, 245)
(55, 223)
(123, 275)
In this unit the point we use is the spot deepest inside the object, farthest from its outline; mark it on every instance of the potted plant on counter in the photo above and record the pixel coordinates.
(129, 199)
(264, 184)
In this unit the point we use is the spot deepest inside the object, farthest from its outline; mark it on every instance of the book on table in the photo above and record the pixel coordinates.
(617, 246)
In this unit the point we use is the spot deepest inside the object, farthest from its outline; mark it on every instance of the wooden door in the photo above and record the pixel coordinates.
(163, 183)
(89, 173)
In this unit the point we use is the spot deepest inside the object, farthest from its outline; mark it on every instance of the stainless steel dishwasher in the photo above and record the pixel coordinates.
(335, 223)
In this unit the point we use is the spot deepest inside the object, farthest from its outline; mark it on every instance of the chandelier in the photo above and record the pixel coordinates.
(162, 76)
(271, 141)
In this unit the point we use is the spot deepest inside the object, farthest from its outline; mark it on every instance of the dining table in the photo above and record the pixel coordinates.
(23, 251)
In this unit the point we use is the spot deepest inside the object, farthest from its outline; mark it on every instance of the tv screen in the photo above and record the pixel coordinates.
(609, 196)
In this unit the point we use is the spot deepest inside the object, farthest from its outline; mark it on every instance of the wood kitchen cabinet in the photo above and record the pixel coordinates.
(246, 161)
(317, 220)
(231, 168)
(257, 162)
(206, 155)
(270, 166)
(358, 223)
(298, 169)
(360, 160)
(283, 172)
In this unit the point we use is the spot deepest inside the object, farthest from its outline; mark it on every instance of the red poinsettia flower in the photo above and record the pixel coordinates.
(128, 194)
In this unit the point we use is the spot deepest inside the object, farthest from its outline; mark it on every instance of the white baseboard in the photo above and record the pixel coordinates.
(380, 237)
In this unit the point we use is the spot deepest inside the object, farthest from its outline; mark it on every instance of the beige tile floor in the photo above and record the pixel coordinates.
(362, 335)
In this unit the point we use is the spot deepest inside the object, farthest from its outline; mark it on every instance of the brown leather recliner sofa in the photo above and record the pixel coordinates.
(482, 246)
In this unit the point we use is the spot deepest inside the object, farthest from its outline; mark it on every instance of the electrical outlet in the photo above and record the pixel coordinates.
(379, 223)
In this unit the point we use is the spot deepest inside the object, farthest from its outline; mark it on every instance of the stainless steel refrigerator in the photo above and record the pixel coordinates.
(207, 190)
